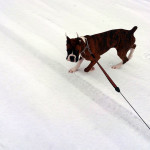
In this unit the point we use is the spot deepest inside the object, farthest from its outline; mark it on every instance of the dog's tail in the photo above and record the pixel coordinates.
(133, 30)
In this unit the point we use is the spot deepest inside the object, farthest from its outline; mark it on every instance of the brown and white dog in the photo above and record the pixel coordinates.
(98, 44)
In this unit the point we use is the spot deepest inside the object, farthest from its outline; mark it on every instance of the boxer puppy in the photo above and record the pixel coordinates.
(81, 48)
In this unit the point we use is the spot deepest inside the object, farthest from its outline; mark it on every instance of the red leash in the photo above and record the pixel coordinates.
(118, 90)
(112, 82)
(108, 77)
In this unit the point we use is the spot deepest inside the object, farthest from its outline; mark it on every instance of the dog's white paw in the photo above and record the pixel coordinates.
(72, 70)
(117, 66)
(92, 69)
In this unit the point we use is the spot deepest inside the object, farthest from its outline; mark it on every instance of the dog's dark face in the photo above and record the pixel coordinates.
(73, 49)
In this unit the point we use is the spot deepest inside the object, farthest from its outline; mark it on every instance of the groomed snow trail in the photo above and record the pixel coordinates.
(42, 106)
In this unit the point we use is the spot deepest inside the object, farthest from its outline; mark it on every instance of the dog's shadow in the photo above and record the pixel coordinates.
(86, 88)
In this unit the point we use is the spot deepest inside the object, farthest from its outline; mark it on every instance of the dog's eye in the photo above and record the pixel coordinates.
(76, 52)
(69, 51)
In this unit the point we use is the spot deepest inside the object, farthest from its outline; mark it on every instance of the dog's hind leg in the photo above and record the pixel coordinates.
(122, 55)
(74, 69)
(117, 66)
(131, 51)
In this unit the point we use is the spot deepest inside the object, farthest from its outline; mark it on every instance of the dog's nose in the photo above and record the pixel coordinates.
(72, 58)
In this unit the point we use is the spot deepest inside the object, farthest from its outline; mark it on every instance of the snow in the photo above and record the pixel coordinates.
(42, 106)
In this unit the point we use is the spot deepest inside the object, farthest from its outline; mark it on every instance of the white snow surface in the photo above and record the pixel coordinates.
(42, 106)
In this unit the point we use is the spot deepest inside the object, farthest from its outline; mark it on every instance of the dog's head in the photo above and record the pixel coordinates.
(74, 48)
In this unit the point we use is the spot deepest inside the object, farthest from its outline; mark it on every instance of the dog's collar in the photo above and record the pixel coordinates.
(86, 47)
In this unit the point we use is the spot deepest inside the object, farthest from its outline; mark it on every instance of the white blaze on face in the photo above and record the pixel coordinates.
(84, 40)
(73, 56)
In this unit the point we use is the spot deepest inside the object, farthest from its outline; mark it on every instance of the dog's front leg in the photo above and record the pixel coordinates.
(90, 66)
(74, 69)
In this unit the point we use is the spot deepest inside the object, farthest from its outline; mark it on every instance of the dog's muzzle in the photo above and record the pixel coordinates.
(72, 58)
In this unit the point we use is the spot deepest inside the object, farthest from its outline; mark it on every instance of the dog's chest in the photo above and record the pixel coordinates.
(87, 55)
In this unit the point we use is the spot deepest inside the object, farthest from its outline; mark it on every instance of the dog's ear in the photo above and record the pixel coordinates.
(77, 35)
(68, 39)
(78, 39)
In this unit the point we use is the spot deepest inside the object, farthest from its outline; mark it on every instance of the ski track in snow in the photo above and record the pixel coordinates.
(97, 96)
(35, 45)
(101, 99)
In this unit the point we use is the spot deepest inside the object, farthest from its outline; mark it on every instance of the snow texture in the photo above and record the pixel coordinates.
(42, 106)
